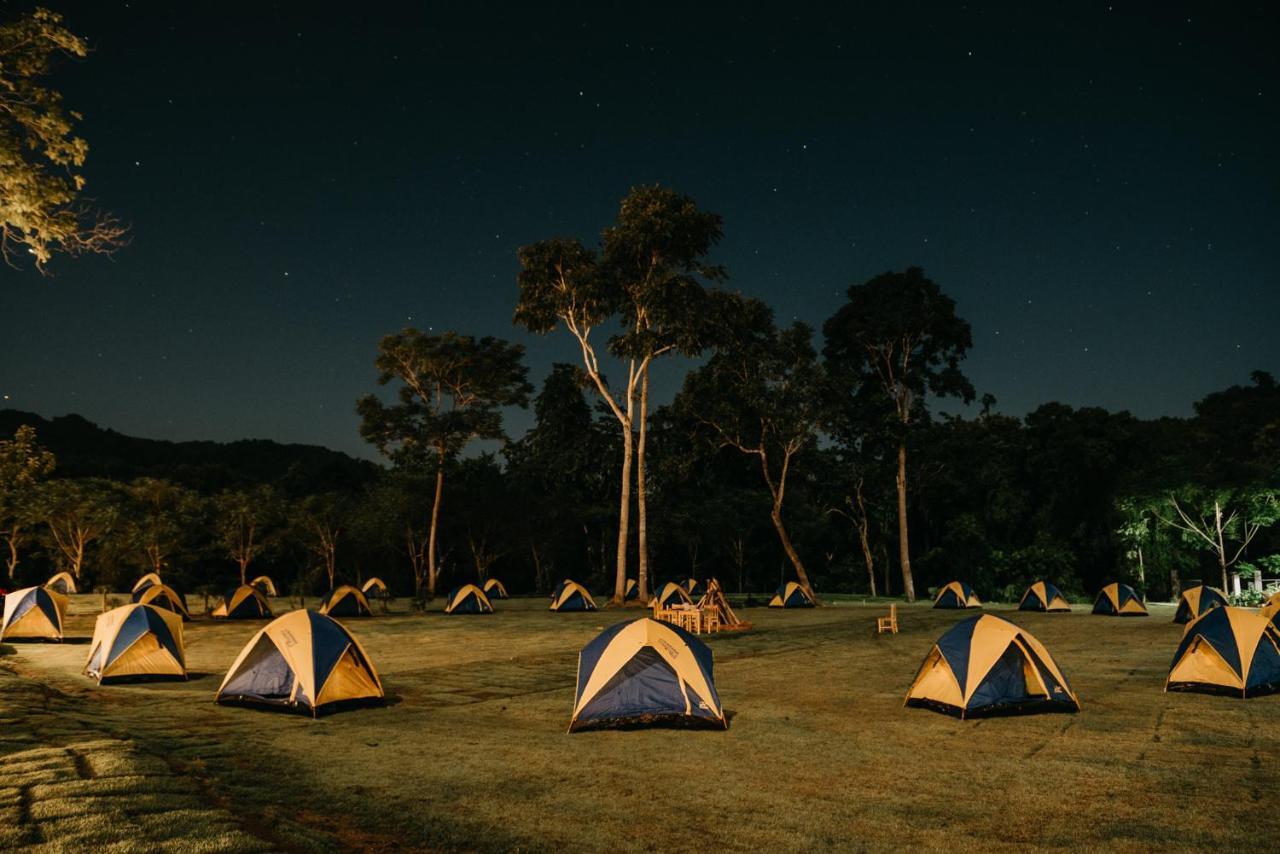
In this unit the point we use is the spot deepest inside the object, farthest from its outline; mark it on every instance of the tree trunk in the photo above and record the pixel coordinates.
(642, 534)
(904, 553)
(624, 519)
(863, 539)
(1142, 575)
(1175, 585)
(431, 537)
(792, 555)
(1222, 549)
(12, 538)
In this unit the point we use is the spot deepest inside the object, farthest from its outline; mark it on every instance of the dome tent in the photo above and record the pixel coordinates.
(672, 594)
(163, 596)
(571, 596)
(243, 603)
(1227, 651)
(468, 599)
(1198, 600)
(33, 613)
(987, 665)
(791, 595)
(1119, 600)
(374, 588)
(303, 661)
(346, 601)
(135, 642)
(265, 585)
(146, 581)
(644, 672)
(957, 594)
(62, 582)
(494, 589)
(632, 590)
(1043, 596)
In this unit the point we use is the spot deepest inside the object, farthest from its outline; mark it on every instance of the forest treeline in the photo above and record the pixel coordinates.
(788, 453)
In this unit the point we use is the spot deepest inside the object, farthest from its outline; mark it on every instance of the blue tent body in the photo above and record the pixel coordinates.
(568, 597)
(790, 595)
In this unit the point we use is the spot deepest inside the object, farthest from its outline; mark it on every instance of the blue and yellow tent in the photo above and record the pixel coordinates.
(987, 665)
(62, 582)
(632, 589)
(645, 672)
(1043, 596)
(146, 581)
(692, 586)
(1227, 651)
(1198, 600)
(494, 589)
(1119, 600)
(571, 596)
(303, 661)
(467, 599)
(346, 601)
(375, 588)
(33, 613)
(790, 595)
(672, 594)
(265, 585)
(135, 642)
(957, 594)
(243, 603)
(163, 596)
(1271, 608)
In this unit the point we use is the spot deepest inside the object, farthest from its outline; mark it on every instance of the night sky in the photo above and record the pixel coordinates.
(1097, 185)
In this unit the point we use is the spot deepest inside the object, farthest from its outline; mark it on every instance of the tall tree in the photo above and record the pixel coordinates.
(248, 523)
(452, 390)
(156, 521)
(23, 465)
(900, 335)
(655, 255)
(42, 209)
(1223, 521)
(759, 394)
(76, 513)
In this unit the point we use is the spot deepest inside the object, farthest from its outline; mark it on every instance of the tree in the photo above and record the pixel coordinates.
(900, 335)
(320, 522)
(23, 465)
(1223, 521)
(41, 206)
(452, 390)
(758, 394)
(156, 520)
(76, 513)
(653, 256)
(247, 524)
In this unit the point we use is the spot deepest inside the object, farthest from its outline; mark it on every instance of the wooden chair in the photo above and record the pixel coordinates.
(889, 623)
(710, 620)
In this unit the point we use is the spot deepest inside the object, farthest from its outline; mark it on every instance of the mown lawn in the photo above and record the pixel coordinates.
(472, 752)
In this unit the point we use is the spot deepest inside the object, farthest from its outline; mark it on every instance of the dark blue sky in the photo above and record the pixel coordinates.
(1096, 185)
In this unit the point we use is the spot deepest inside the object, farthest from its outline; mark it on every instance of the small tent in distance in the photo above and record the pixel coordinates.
(62, 582)
(136, 642)
(957, 594)
(644, 673)
(375, 588)
(163, 596)
(302, 661)
(146, 581)
(791, 595)
(467, 599)
(693, 587)
(571, 596)
(631, 591)
(986, 665)
(243, 603)
(1198, 600)
(1119, 600)
(1227, 651)
(346, 601)
(672, 594)
(495, 589)
(33, 614)
(265, 585)
(1043, 596)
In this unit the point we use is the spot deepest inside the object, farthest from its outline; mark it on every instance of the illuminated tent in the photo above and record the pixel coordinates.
(1043, 596)
(1198, 600)
(303, 661)
(136, 642)
(1227, 651)
(33, 613)
(1119, 600)
(468, 599)
(346, 601)
(163, 596)
(265, 585)
(62, 582)
(374, 587)
(146, 581)
(645, 672)
(987, 665)
(632, 590)
(692, 586)
(957, 594)
(790, 595)
(571, 596)
(243, 603)
(494, 589)
(1271, 608)
(672, 594)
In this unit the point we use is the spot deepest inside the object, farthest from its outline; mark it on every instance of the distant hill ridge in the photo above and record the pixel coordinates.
(84, 449)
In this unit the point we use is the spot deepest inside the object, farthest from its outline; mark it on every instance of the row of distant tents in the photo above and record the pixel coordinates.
(1116, 600)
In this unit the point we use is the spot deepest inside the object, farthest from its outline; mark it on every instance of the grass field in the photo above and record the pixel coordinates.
(471, 752)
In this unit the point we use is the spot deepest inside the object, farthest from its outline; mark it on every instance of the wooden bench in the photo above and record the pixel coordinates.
(889, 623)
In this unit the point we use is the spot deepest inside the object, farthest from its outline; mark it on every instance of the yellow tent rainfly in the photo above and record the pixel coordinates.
(692, 586)
(1227, 651)
(136, 642)
(33, 613)
(986, 665)
(1043, 596)
(672, 594)
(1198, 600)
(146, 581)
(265, 585)
(790, 595)
(644, 672)
(494, 589)
(1271, 608)
(62, 582)
(632, 590)
(374, 588)
(302, 661)
(1119, 600)
(346, 601)
(243, 603)
(163, 596)
(957, 594)
(468, 599)
(571, 596)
